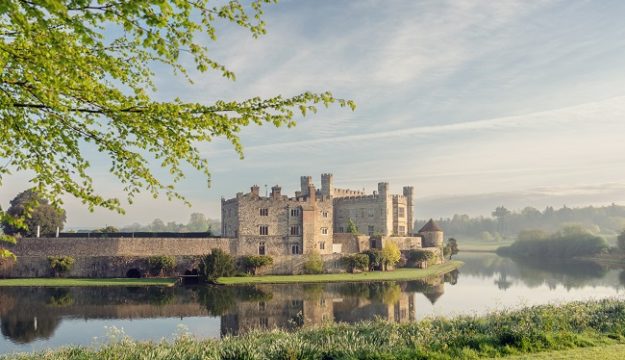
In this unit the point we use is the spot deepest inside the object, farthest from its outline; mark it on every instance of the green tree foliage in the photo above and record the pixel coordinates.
(419, 256)
(375, 259)
(78, 75)
(36, 211)
(215, 265)
(252, 263)
(61, 264)
(390, 255)
(352, 228)
(355, 262)
(620, 240)
(161, 264)
(313, 264)
(608, 220)
(107, 229)
(451, 248)
(567, 243)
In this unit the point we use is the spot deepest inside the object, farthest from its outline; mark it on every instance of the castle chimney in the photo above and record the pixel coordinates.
(254, 190)
(312, 194)
(276, 192)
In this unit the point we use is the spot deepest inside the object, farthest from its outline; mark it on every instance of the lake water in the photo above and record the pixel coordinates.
(40, 318)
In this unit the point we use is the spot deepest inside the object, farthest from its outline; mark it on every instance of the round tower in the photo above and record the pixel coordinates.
(432, 235)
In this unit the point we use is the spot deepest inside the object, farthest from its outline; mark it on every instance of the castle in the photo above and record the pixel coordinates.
(328, 221)
(317, 220)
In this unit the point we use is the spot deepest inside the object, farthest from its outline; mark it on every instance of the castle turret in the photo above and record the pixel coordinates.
(409, 193)
(327, 185)
(382, 189)
(305, 182)
(254, 190)
(432, 235)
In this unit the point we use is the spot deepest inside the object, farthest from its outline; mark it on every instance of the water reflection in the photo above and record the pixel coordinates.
(36, 318)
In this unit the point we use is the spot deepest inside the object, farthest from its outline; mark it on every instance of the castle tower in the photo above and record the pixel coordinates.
(409, 193)
(305, 182)
(432, 235)
(327, 185)
(383, 189)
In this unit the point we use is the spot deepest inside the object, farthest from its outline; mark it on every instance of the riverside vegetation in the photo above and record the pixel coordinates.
(503, 333)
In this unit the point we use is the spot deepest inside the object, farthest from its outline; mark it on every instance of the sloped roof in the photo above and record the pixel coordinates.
(430, 226)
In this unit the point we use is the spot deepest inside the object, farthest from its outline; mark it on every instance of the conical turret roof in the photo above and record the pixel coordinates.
(430, 226)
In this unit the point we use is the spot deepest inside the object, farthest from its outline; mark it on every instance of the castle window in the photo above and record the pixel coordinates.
(362, 212)
(324, 231)
(373, 244)
(264, 230)
(322, 245)
(402, 230)
(295, 249)
(261, 248)
(401, 212)
(324, 214)
(370, 230)
(341, 229)
(294, 212)
(371, 212)
(295, 230)
(264, 212)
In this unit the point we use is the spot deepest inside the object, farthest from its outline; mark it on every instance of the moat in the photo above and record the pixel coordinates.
(39, 318)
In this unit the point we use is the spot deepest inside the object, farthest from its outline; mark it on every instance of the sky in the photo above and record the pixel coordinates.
(474, 103)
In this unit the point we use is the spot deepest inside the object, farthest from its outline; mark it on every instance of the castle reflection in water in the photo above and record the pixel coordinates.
(29, 314)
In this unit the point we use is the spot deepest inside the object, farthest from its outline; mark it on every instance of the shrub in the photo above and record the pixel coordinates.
(61, 264)
(419, 256)
(566, 243)
(161, 264)
(390, 255)
(215, 265)
(313, 264)
(252, 263)
(375, 259)
(356, 262)
(352, 227)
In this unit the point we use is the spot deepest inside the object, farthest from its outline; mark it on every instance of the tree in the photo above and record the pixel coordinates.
(355, 262)
(375, 258)
(197, 223)
(390, 255)
(78, 76)
(43, 214)
(452, 245)
(60, 264)
(313, 264)
(252, 263)
(352, 228)
(500, 213)
(107, 229)
(621, 241)
(216, 264)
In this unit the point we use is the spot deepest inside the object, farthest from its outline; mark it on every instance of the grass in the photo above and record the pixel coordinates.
(607, 352)
(583, 330)
(398, 274)
(483, 246)
(56, 282)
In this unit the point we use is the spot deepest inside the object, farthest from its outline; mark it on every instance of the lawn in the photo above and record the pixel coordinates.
(482, 246)
(608, 352)
(399, 274)
(57, 282)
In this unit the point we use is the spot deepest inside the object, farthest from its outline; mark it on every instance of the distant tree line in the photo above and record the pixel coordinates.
(198, 222)
(606, 220)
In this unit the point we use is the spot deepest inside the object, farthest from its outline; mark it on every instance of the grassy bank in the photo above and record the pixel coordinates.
(607, 352)
(399, 274)
(535, 330)
(59, 282)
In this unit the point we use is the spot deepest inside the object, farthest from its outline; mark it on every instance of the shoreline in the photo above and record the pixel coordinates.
(395, 275)
(85, 282)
